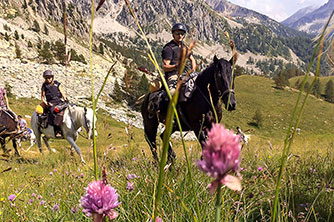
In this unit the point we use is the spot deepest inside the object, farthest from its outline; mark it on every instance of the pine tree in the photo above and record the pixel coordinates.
(36, 27)
(117, 92)
(46, 30)
(29, 44)
(6, 37)
(45, 53)
(317, 88)
(329, 91)
(18, 51)
(101, 48)
(59, 51)
(16, 35)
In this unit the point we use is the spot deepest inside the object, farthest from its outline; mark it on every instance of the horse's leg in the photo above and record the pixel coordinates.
(150, 129)
(3, 144)
(171, 153)
(77, 149)
(15, 147)
(46, 141)
(39, 142)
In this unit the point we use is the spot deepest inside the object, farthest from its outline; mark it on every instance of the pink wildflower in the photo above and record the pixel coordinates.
(12, 197)
(260, 169)
(55, 207)
(100, 199)
(131, 176)
(220, 155)
(157, 219)
(129, 187)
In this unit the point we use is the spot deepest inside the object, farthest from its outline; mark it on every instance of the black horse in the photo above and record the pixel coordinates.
(8, 128)
(197, 113)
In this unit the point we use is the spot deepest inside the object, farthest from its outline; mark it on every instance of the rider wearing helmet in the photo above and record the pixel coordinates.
(171, 55)
(52, 95)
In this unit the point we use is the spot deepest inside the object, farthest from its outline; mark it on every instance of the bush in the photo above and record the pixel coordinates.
(59, 51)
(6, 37)
(46, 30)
(329, 91)
(257, 118)
(29, 44)
(8, 89)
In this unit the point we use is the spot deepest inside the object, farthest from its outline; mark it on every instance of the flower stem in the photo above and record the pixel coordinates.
(218, 203)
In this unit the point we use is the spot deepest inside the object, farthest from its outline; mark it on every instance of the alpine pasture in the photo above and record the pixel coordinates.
(49, 187)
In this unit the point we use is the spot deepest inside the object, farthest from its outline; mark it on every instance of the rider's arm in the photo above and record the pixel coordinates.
(62, 93)
(168, 67)
(193, 63)
(6, 100)
(43, 97)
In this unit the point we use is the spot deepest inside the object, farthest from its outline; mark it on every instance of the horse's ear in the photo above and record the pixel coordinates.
(234, 57)
(215, 59)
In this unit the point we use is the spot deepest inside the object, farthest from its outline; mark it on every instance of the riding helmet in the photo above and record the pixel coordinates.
(179, 26)
(47, 73)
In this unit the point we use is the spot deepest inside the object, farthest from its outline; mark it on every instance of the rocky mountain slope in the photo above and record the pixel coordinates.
(313, 21)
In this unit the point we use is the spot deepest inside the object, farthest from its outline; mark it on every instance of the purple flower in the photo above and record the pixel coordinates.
(39, 197)
(157, 219)
(55, 170)
(51, 173)
(55, 207)
(129, 187)
(12, 197)
(101, 199)
(131, 176)
(134, 159)
(260, 169)
(221, 154)
(31, 200)
(82, 175)
(42, 202)
(51, 194)
(33, 195)
(74, 209)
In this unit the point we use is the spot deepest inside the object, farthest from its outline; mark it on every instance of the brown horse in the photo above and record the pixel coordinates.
(8, 129)
(197, 113)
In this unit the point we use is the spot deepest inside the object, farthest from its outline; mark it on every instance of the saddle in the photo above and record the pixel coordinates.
(54, 116)
(158, 100)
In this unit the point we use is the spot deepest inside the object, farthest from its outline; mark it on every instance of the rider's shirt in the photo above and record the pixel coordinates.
(171, 51)
(52, 92)
(2, 98)
(22, 123)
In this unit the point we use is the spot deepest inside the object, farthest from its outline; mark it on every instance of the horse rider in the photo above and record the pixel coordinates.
(52, 95)
(4, 106)
(171, 56)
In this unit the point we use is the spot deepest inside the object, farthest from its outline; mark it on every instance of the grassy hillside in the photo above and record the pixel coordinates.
(255, 92)
(323, 81)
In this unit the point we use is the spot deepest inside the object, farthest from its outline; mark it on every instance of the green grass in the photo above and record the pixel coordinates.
(308, 179)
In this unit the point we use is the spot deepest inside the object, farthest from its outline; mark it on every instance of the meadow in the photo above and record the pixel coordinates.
(49, 187)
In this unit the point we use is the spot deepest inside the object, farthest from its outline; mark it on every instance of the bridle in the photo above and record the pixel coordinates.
(220, 94)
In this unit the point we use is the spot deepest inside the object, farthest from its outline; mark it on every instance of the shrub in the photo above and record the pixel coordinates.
(29, 44)
(46, 30)
(257, 118)
(8, 89)
(59, 51)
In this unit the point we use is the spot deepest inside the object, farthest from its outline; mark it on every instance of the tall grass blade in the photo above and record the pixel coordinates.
(291, 133)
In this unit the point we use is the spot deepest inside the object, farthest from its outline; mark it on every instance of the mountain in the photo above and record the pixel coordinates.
(297, 15)
(314, 21)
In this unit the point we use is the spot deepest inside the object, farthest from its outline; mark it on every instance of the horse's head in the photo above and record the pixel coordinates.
(88, 122)
(223, 80)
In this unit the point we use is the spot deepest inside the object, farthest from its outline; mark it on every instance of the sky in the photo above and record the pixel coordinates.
(278, 9)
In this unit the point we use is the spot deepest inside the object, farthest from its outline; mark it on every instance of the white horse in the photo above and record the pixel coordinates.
(74, 118)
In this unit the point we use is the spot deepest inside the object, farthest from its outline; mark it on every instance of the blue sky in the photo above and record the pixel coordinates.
(278, 9)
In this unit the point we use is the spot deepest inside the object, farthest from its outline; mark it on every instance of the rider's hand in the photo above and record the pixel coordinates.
(50, 104)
